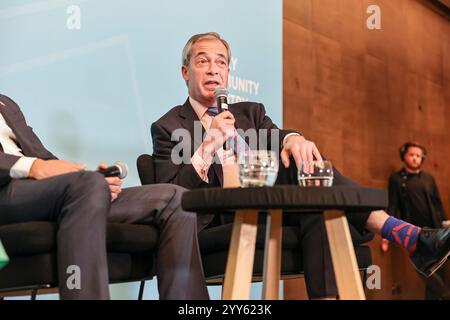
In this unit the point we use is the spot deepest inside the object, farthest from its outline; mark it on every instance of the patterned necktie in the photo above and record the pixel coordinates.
(212, 111)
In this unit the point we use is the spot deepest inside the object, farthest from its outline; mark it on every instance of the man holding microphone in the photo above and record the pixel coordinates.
(205, 66)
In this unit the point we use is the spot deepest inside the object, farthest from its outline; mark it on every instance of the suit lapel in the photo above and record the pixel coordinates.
(7, 116)
(14, 123)
(239, 123)
(1, 112)
(190, 122)
(15, 120)
(236, 113)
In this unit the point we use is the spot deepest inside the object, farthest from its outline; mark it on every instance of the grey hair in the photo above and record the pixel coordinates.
(187, 50)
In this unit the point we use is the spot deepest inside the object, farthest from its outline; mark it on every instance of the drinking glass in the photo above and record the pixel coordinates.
(258, 168)
(317, 173)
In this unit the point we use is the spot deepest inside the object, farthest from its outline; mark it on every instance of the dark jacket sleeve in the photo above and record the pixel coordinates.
(264, 122)
(39, 150)
(167, 171)
(6, 162)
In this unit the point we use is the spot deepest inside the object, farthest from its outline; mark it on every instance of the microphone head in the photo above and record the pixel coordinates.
(221, 95)
(123, 168)
(220, 92)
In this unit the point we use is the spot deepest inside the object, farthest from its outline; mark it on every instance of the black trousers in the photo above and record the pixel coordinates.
(80, 205)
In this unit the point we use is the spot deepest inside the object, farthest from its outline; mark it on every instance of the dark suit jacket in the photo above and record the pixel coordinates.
(26, 139)
(248, 115)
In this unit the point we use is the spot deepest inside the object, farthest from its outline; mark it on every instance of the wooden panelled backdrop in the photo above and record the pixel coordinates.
(360, 93)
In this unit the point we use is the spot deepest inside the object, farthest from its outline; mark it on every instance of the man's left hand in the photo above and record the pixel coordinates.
(115, 183)
(299, 148)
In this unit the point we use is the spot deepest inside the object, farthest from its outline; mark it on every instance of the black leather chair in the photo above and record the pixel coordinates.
(214, 242)
(31, 247)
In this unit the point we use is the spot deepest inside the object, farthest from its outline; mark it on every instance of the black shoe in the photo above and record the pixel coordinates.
(433, 248)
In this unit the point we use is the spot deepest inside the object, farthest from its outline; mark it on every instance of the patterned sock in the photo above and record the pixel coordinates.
(400, 232)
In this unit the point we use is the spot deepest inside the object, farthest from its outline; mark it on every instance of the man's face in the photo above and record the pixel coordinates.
(208, 68)
(413, 158)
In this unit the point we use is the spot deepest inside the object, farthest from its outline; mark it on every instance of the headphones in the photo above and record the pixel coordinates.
(404, 148)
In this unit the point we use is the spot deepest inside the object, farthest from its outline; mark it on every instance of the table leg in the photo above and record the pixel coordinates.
(238, 274)
(345, 266)
(272, 256)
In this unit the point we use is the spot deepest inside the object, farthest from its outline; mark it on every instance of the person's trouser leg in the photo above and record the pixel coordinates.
(315, 251)
(178, 263)
(79, 203)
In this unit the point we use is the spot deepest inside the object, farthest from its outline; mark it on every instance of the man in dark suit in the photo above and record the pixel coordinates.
(36, 186)
(200, 162)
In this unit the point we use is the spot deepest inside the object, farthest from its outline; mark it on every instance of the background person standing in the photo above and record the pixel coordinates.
(414, 197)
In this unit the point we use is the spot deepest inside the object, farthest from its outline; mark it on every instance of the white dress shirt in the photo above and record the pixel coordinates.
(21, 168)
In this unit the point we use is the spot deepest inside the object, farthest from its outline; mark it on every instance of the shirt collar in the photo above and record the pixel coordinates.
(199, 109)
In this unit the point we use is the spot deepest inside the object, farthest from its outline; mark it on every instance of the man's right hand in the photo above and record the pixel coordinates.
(222, 127)
(42, 169)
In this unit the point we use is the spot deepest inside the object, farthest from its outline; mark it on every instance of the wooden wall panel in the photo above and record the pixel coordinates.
(360, 93)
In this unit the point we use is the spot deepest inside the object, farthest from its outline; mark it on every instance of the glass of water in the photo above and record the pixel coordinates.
(317, 173)
(258, 168)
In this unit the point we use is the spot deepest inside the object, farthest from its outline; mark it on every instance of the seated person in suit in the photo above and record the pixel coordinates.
(205, 66)
(36, 186)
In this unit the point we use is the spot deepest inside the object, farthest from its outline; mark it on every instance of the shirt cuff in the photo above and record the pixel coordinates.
(288, 135)
(200, 165)
(21, 169)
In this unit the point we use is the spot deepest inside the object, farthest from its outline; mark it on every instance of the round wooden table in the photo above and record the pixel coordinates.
(332, 202)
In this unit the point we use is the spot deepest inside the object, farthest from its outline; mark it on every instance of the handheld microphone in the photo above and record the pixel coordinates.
(221, 95)
(118, 169)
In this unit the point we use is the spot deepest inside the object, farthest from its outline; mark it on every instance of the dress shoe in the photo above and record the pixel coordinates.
(432, 250)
